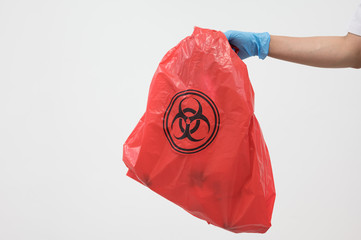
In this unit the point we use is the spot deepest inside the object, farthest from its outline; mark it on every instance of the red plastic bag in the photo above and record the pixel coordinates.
(199, 143)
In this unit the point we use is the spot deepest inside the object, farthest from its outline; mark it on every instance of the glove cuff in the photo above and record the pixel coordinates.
(263, 40)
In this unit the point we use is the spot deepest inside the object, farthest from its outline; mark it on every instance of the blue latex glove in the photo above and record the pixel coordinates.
(249, 44)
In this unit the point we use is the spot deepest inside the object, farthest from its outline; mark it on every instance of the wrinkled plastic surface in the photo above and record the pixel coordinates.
(199, 143)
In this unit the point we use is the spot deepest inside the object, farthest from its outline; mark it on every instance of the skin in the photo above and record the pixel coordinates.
(327, 52)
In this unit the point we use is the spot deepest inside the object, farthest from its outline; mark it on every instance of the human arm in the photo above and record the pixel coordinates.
(328, 52)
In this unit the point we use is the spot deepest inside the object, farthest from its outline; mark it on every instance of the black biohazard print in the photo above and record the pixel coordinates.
(191, 121)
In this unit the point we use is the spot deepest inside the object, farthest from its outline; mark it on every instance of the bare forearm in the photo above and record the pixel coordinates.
(330, 52)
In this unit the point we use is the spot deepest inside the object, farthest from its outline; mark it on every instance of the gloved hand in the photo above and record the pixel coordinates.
(249, 44)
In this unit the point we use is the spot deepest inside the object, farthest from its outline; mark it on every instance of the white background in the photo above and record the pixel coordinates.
(74, 79)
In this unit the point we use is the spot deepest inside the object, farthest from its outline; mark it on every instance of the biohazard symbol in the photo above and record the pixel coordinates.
(191, 121)
(197, 116)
